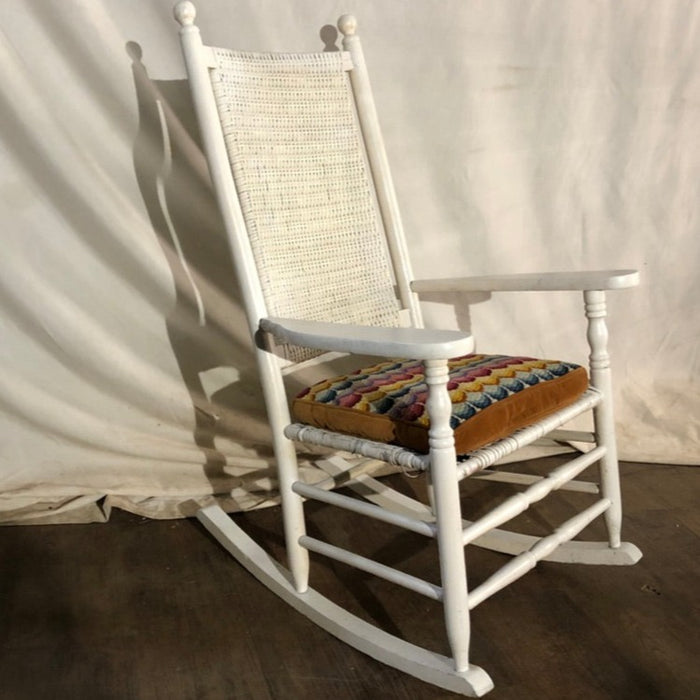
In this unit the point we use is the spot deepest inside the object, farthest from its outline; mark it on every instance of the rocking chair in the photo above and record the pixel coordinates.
(302, 180)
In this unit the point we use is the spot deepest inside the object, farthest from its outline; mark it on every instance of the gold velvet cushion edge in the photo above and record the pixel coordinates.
(496, 421)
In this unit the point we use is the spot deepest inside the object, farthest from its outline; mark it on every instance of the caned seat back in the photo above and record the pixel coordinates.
(306, 193)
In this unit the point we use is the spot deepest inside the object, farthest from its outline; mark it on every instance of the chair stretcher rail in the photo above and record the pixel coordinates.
(521, 564)
(363, 508)
(522, 501)
(418, 585)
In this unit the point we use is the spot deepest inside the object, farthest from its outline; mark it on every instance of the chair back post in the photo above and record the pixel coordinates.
(379, 165)
(219, 167)
(195, 54)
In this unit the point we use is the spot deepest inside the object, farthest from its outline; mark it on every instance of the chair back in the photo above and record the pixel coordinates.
(296, 152)
(293, 167)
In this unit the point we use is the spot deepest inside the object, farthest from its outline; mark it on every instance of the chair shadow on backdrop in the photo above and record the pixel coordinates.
(206, 326)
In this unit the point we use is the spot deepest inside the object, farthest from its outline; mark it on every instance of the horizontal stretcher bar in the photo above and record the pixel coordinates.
(521, 564)
(418, 585)
(363, 508)
(536, 492)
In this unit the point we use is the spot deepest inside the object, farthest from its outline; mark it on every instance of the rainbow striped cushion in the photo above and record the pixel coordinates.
(492, 395)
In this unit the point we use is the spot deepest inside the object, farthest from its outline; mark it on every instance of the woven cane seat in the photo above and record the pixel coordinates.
(492, 395)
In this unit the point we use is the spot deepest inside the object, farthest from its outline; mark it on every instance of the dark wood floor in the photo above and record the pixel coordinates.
(145, 609)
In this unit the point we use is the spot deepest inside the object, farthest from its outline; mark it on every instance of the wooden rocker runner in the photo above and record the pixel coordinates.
(302, 180)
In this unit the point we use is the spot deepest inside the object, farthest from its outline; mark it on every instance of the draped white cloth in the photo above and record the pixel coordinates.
(524, 136)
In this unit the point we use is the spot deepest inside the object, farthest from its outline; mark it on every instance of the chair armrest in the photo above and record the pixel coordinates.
(532, 282)
(418, 343)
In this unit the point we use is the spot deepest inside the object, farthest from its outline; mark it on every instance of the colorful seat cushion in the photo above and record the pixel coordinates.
(492, 395)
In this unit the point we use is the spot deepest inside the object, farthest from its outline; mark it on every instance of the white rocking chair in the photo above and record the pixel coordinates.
(303, 184)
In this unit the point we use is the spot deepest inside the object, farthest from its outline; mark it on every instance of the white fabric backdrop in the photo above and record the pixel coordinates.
(538, 135)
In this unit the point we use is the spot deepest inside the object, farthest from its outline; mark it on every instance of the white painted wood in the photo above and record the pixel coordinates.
(379, 165)
(287, 468)
(536, 492)
(209, 57)
(197, 63)
(532, 282)
(418, 343)
(367, 509)
(444, 473)
(392, 454)
(504, 541)
(521, 564)
(197, 59)
(426, 665)
(604, 422)
(448, 516)
(417, 585)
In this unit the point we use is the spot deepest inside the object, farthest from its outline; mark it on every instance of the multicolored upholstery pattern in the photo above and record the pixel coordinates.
(492, 395)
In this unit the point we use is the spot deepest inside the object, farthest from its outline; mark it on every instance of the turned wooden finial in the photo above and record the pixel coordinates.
(185, 12)
(347, 25)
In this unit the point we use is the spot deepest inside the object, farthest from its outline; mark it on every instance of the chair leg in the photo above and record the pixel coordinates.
(448, 516)
(609, 474)
(293, 516)
(430, 491)
(603, 413)
(287, 471)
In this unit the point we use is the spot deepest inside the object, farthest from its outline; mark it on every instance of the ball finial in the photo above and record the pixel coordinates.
(347, 25)
(185, 12)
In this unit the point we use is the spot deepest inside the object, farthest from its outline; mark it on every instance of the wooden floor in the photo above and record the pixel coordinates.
(145, 609)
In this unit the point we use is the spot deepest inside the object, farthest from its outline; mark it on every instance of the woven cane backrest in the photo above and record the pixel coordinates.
(298, 161)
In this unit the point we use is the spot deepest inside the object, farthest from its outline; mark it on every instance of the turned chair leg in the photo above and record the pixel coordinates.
(443, 462)
(604, 423)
